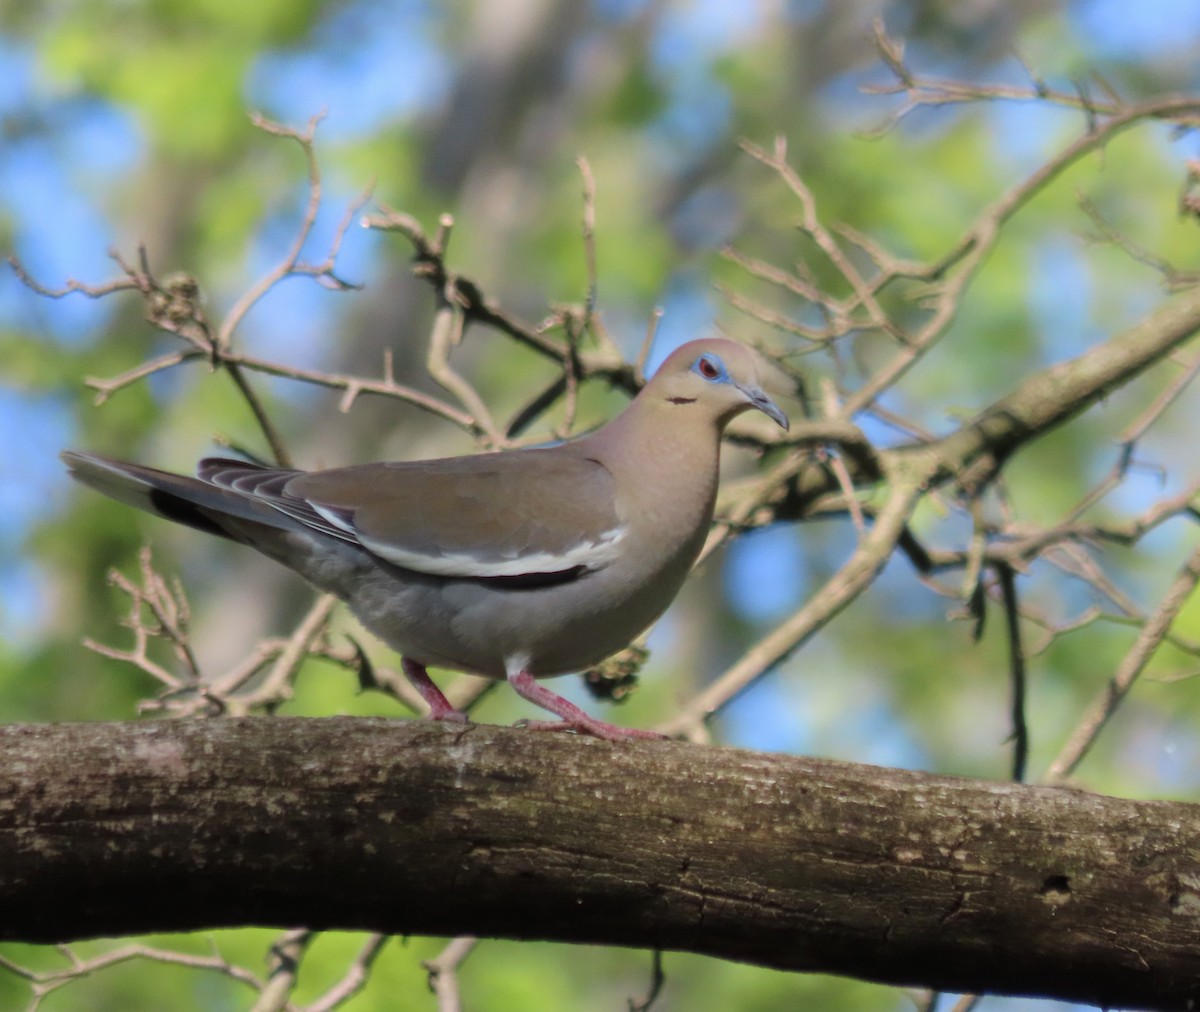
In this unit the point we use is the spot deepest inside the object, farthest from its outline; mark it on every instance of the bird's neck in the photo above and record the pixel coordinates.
(670, 453)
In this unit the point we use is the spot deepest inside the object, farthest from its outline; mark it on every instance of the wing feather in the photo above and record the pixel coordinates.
(524, 513)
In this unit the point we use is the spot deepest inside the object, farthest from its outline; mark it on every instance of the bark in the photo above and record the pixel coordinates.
(415, 828)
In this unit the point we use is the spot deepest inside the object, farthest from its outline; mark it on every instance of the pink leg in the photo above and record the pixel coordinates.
(573, 718)
(440, 707)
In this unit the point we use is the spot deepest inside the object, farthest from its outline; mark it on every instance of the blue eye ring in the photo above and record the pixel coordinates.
(711, 368)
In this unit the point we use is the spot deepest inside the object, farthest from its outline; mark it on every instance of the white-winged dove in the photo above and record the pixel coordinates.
(514, 565)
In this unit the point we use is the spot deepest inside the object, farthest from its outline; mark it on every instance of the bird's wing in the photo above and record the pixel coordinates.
(524, 513)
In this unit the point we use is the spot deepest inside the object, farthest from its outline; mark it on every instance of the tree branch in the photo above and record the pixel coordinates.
(411, 827)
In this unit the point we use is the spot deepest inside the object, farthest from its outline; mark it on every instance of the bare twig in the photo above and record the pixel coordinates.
(657, 980)
(1016, 667)
(156, 611)
(45, 982)
(1131, 666)
(589, 239)
(443, 972)
(431, 265)
(276, 687)
(354, 979)
(843, 587)
(448, 328)
(284, 968)
(291, 263)
(921, 91)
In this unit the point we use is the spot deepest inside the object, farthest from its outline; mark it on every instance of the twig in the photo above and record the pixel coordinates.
(864, 292)
(105, 388)
(443, 972)
(354, 979)
(291, 264)
(1016, 667)
(358, 385)
(657, 980)
(589, 239)
(44, 982)
(844, 586)
(448, 328)
(922, 91)
(284, 962)
(1173, 279)
(1131, 666)
(72, 286)
(639, 363)
(431, 265)
(168, 615)
(276, 687)
(288, 266)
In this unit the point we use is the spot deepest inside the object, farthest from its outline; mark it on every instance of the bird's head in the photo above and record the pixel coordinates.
(715, 377)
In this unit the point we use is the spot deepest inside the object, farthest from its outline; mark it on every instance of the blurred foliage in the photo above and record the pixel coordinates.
(657, 106)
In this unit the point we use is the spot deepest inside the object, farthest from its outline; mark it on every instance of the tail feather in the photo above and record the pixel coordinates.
(176, 497)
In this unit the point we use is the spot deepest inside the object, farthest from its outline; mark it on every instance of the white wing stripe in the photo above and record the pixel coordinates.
(589, 554)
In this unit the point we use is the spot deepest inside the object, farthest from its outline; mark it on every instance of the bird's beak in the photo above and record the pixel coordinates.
(768, 407)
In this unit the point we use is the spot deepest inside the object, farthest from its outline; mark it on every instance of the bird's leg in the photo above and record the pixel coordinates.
(440, 708)
(573, 718)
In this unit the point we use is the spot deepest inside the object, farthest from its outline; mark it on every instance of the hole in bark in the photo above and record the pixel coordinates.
(1056, 889)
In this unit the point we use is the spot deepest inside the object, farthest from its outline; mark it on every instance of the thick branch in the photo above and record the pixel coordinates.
(974, 453)
(420, 828)
(1053, 396)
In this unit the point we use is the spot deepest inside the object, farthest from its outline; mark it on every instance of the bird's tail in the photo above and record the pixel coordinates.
(177, 497)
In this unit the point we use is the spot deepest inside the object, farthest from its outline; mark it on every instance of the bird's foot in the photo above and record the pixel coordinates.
(573, 718)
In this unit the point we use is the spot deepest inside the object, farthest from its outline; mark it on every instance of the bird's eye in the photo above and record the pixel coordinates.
(707, 367)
